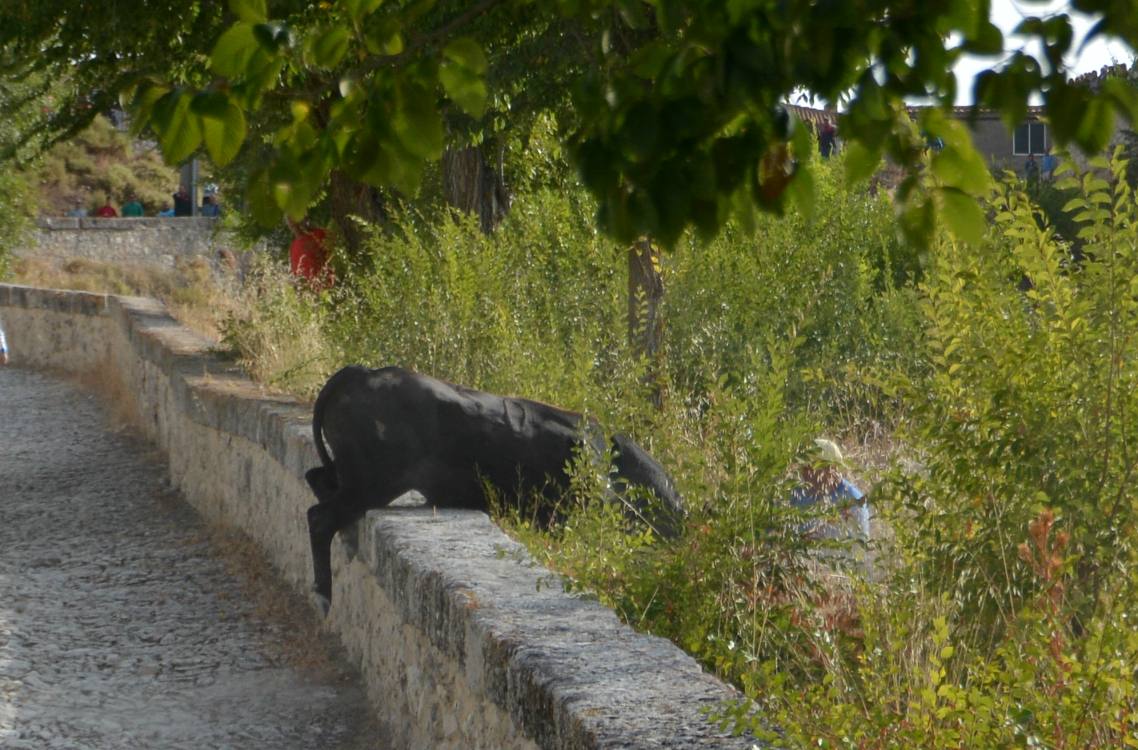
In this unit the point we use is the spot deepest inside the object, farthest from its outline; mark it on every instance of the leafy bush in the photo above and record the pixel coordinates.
(1006, 616)
(15, 216)
(535, 309)
(840, 281)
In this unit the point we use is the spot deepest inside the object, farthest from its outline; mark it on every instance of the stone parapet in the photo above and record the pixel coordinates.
(463, 639)
(155, 241)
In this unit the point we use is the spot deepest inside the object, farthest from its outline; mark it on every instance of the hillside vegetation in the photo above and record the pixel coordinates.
(102, 163)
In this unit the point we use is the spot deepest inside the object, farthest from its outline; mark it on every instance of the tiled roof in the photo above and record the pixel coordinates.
(810, 115)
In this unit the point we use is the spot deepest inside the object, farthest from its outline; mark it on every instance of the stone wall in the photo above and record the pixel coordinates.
(464, 641)
(134, 241)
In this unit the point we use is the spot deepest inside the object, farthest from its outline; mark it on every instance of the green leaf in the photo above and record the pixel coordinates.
(466, 53)
(960, 166)
(329, 47)
(295, 181)
(632, 13)
(142, 105)
(467, 89)
(224, 134)
(362, 158)
(357, 9)
(963, 215)
(802, 191)
(462, 75)
(249, 11)
(1122, 93)
(178, 128)
(382, 35)
(210, 104)
(861, 163)
(272, 36)
(263, 72)
(917, 218)
(234, 51)
(648, 61)
(418, 124)
(1096, 126)
(259, 199)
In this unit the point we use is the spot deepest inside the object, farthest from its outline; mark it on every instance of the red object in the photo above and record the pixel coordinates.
(107, 212)
(308, 258)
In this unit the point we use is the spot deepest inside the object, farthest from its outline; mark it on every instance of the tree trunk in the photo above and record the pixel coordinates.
(347, 199)
(473, 186)
(645, 317)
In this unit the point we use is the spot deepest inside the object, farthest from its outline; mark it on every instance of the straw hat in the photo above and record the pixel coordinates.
(829, 451)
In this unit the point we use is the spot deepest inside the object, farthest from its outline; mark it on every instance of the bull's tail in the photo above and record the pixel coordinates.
(321, 404)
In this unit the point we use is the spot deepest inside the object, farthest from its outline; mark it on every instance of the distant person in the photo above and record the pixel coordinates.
(3, 345)
(308, 256)
(166, 211)
(1031, 170)
(1049, 165)
(827, 139)
(822, 482)
(133, 208)
(183, 204)
(107, 211)
(79, 211)
(210, 207)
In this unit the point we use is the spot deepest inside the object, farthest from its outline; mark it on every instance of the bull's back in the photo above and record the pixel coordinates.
(392, 430)
(508, 441)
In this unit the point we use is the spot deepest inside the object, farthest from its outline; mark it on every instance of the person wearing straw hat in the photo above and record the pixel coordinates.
(822, 482)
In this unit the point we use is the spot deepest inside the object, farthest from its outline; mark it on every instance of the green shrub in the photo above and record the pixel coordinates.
(16, 208)
(536, 309)
(839, 281)
(1005, 615)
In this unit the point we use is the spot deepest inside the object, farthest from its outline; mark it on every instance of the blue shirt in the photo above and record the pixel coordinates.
(846, 496)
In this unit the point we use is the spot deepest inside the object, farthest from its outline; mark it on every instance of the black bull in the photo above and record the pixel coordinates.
(392, 430)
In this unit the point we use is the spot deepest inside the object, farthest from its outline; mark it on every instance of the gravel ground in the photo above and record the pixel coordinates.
(125, 622)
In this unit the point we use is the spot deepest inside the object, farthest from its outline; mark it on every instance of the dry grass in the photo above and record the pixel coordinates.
(279, 331)
(276, 607)
(194, 293)
(120, 402)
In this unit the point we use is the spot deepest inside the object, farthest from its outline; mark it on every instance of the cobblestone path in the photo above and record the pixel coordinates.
(121, 625)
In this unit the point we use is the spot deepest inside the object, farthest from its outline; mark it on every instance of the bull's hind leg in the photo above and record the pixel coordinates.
(323, 482)
(324, 520)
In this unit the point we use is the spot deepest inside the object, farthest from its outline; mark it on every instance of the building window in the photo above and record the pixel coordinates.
(1030, 138)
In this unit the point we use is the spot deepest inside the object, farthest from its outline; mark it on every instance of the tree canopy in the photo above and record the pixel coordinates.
(673, 109)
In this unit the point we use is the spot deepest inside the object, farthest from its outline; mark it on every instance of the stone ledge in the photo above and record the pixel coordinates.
(56, 300)
(562, 668)
(120, 223)
(565, 667)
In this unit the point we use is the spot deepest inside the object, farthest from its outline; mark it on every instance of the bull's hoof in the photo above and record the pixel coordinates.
(321, 602)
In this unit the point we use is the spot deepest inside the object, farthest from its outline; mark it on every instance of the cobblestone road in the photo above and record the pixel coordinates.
(120, 623)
